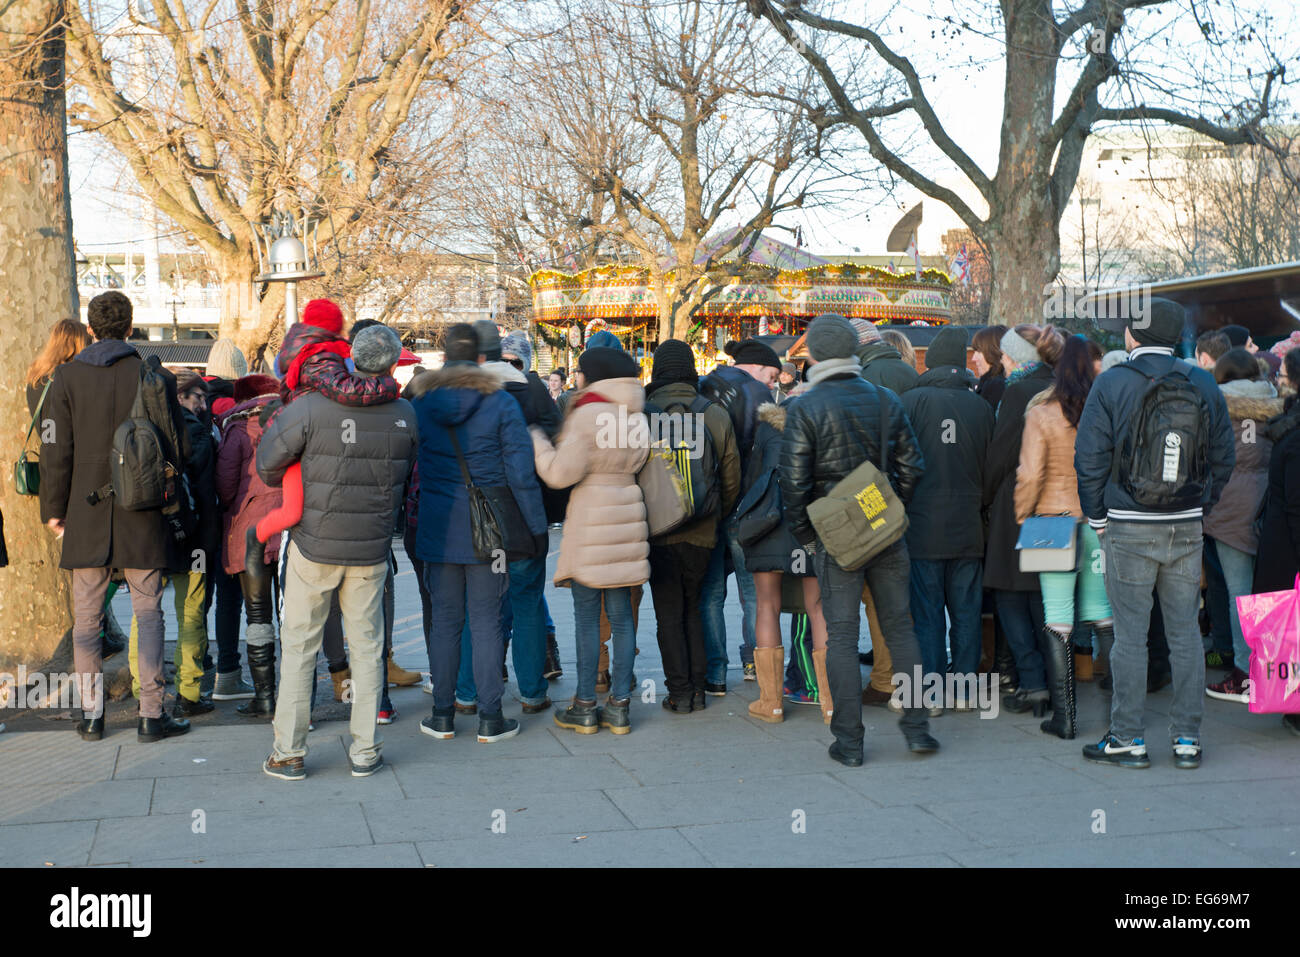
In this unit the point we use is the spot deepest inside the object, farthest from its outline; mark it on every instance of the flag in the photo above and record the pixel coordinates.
(569, 258)
(798, 237)
(915, 253)
(961, 266)
(891, 266)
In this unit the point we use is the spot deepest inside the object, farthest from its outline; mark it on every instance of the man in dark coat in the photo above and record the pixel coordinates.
(89, 398)
(841, 422)
(945, 535)
(740, 389)
(881, 363)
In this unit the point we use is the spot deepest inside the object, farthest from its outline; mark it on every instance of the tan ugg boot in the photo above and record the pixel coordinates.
(823, 685)
(399, 676)
(770, 663)
(340, 679)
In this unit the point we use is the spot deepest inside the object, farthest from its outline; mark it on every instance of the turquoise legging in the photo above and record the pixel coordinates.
(1059, 588)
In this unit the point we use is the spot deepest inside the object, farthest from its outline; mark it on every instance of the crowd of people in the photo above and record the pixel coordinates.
(281, 494)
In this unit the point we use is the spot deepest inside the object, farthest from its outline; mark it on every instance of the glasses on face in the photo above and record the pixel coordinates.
(199, 397)
(517, 363)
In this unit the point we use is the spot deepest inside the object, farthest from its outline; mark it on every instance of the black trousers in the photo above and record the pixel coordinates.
(676, 576)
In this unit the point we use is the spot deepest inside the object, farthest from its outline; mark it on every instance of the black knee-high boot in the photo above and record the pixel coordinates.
(1058, 655)
(256, 584)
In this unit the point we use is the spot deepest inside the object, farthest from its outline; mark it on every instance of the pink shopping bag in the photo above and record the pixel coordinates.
(1270, 623)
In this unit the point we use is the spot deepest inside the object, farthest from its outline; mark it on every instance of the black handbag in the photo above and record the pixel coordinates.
(496, 523)
(760, 510)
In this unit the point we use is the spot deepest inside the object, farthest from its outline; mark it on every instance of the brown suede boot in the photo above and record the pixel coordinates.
(823, 685)
(769, 663)
(399, 676)
(1083, 670)
(340, 679)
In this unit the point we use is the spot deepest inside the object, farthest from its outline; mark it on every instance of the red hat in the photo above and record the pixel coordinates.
(251, 386)
(324, 314)
(407, 358)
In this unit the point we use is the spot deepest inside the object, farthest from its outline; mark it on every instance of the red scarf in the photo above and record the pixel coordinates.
(589, 397)
(339, 347)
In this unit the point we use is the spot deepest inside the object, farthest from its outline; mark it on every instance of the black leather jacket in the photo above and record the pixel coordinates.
(830, 431)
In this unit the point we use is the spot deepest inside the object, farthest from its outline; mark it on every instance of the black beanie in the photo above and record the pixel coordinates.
(1237, 335)
(751, 352)
(603, 362)
(673, 362)
(1163, 326)
(948, 348)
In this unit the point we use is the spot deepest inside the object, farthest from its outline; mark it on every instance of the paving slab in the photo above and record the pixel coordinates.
(654, 847)
(62, 844)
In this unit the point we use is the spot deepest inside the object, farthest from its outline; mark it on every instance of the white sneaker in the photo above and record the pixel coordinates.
(427, 686)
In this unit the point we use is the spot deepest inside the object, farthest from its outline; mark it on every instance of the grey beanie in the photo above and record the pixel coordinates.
(489, 339)
(225, 360)
(517, 344)
(1020, 349)
(831, 337)
(375, 349)
(1164, 325)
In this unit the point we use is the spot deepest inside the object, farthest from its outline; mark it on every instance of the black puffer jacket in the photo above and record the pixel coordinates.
(953, 427)
(775, 551)
(830, 431)
(201, 470)
(1278, 560)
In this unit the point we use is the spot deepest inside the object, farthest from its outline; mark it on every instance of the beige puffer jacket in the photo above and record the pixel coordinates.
(606, 539)
(1046, 483)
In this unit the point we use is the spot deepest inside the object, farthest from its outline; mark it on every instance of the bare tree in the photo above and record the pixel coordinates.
(36, 288)
(228, 112)
(1092, 47)
(672, 121)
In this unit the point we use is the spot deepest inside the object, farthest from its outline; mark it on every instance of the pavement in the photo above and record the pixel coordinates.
(710, 789)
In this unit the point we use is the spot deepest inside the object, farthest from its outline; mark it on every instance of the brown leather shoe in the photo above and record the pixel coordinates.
(875, 697)
(290, 769)
(602, 682)
(399, 676)
(466, 708)
(537, 708)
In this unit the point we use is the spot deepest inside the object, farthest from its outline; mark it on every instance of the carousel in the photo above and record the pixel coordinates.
(776, 292)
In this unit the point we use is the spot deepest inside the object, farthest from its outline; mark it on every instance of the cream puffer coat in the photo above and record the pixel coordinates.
(1046, 483)
(606, 538)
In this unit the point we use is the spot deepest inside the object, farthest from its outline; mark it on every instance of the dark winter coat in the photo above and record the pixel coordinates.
(704, 532)
(245, 498)
(1001, 560)
(953, 427)
(497, 448)
(1232, 520)
(201, 469)
(991, 386)
(1113, 404)
(884, 365)
(356, 461)
(775, 552)
(832, 429)
(740, 394)
(1277, 562)
(89, 398)
(539, 409)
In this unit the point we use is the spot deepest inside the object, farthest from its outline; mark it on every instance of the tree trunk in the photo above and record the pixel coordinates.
(1024, 222)
(256, 325)
(37, 287)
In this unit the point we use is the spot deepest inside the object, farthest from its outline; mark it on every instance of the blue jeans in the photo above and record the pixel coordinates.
(713, 596)
(1021, 615)
(528, 632)
(1166, 556)
(464, 594)
(956, 584)
(1239, 576)
(546, 613)
(586, 621)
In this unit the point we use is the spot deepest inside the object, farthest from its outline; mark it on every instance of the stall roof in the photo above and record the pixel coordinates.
(1264, 299)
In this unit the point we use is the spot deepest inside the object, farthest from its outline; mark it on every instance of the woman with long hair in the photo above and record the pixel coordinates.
(1028, 354)
(1046, 484)
(986, 359)
(67, 338)
(1230, 525)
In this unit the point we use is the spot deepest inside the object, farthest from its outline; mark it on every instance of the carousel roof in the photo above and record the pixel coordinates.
(765, 252)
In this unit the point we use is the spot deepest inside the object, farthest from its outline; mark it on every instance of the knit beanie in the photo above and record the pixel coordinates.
(1237, 335)
(603, 362)
(751, 352)
(517, 344)
(1163, 325)
(948, 348)
(867, 331)
(1020, 349)
(323, 314)
(831, 337)
(250, 386)
(604, 339)
(225, 360)
(673, 362)
(489, 339)
(375, 350)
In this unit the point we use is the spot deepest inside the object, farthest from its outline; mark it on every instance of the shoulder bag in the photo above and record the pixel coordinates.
(496, 522)
(27, 471)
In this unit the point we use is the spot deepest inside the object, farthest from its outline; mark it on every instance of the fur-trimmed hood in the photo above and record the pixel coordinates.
(773, 415)
(453, 393)
(1255, 407)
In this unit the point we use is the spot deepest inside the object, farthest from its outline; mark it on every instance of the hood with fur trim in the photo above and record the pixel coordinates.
(453, 393)
(773, 415)
(1255, 407)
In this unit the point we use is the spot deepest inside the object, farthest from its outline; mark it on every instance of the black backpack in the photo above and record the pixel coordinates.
(145, 470)
(700, 471)
(733, 400)
(1163, 461)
